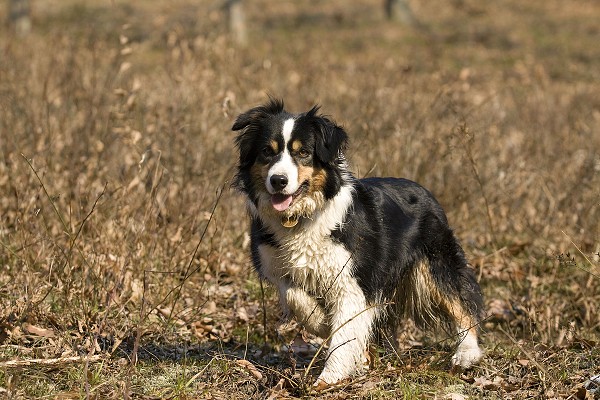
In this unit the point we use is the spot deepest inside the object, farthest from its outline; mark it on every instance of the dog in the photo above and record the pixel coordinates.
(350, 257)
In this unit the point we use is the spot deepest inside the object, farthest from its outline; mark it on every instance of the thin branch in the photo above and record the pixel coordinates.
(89, 214)
(189, 273)
(464, 130)
(584, 256)
(530, 356)
(62, 221)
(49, 361)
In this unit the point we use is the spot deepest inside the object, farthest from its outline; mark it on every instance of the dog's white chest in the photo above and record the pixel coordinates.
(308, 256)
(318, 266)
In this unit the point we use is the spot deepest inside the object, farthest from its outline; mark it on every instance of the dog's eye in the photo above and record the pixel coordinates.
(268, 152)
(303, 153)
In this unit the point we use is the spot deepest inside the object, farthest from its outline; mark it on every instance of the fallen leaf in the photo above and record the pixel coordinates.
(165, 312)
(280, 385)
(37, 331)
(369, 385)
(278, 391)
(177, 236)
(582, 344)
(454, 396)
(483, 382)
(250, 367)
(242, 314)
(320, 385)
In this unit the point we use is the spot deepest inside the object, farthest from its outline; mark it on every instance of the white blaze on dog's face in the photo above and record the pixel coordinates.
(288, 162)
(282, 177)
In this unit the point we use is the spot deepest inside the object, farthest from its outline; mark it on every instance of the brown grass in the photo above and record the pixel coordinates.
(122, 244)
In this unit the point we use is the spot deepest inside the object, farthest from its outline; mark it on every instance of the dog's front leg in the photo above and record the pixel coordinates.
(352, 326)
(307, 310)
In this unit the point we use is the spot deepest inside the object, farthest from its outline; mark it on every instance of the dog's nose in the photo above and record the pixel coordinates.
(279, 182)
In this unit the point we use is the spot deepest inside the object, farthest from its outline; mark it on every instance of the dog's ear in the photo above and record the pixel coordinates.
(331, 138)
(256, 114)
(245, 119)
(250, 125)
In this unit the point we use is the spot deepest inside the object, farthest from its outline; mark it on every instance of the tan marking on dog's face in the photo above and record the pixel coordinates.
(305, 173)
(312, 199)
(319, 178)
(316, 178)
(275, 146)
(296, 145)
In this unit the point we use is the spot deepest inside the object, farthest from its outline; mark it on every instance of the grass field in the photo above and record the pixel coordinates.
(124, 260)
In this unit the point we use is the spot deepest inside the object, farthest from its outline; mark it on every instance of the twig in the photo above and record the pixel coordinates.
(527, 354)
(189, 272)
(60, 217)
(584, 256)
(467, 147)
(193, 378)
(48, 361)
(138, 332)
(85, 219)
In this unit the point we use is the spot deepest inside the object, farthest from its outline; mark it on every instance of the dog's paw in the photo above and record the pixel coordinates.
(286, 326)
(320, 385)
(287, 330)
(328, 378)
(466, 356)
(324, 383)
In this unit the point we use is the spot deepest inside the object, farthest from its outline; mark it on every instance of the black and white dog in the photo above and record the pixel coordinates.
(349, 256)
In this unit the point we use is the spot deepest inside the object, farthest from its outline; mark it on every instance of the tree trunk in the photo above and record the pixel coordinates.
(399, 10)
(19, 16)
(237, 21)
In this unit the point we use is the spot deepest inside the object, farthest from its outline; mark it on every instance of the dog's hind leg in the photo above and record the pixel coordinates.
(466, 310)
(448, 298)
(468, 352)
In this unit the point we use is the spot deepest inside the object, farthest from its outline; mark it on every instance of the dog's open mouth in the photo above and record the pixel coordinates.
(282, 202)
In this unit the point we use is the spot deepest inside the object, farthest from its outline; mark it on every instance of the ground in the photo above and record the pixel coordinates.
(124, 260)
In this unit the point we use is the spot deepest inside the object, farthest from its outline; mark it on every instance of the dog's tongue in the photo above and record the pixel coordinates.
(280, 201)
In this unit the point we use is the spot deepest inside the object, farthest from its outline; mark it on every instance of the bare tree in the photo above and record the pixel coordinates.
(19, 16)
(397, 10)
(237, 20)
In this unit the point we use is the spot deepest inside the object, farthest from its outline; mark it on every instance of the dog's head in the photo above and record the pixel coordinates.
(289, 164)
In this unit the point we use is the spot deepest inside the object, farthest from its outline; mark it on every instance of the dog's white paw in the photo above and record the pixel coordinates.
(320, 385)
(330, 377)
(466, 356)
(327, 380)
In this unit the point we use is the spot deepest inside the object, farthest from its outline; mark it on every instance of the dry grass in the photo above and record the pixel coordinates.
(121, 243)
